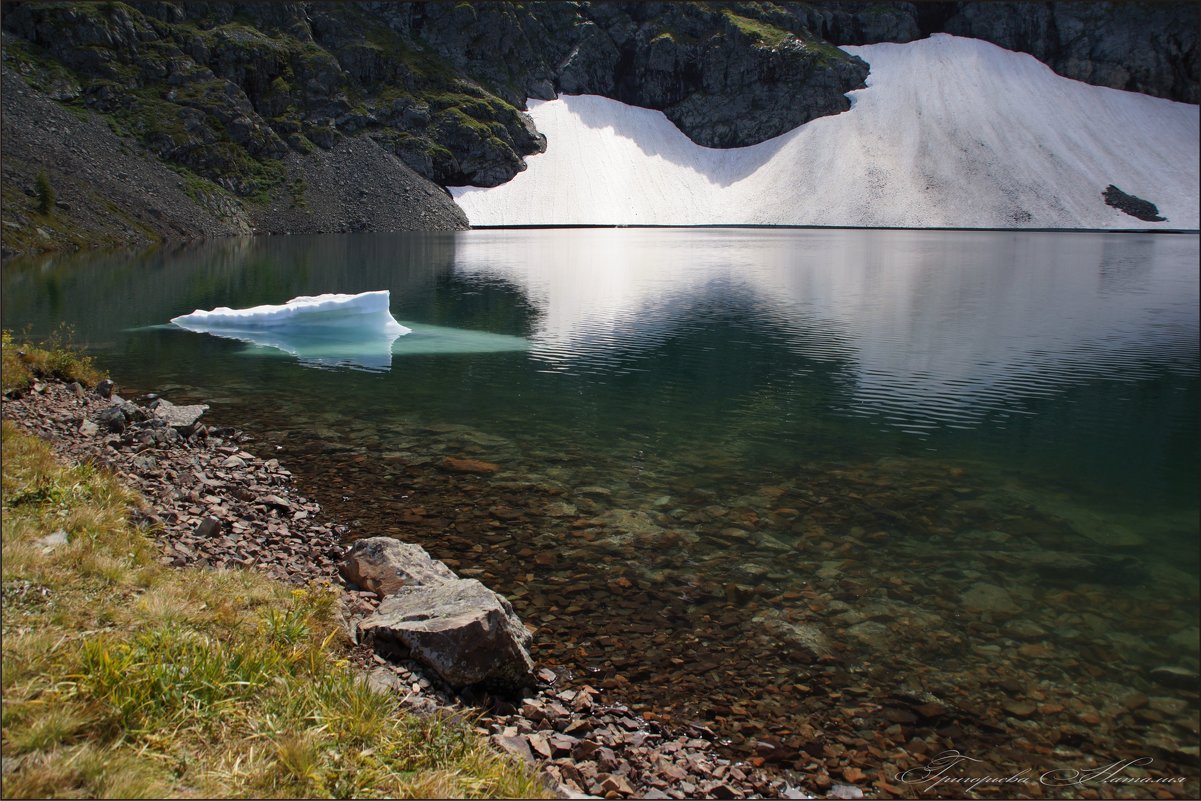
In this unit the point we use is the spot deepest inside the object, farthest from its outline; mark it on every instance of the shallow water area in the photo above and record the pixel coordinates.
(848, 498)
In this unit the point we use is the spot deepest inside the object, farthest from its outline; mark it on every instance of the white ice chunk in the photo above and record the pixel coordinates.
(331, 330)
(356, 331)
(366, 311)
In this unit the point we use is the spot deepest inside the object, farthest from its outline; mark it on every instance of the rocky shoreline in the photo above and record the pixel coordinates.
(213, 503)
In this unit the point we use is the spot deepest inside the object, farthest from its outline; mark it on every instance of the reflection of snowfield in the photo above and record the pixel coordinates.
(944, 326)
(950, 132)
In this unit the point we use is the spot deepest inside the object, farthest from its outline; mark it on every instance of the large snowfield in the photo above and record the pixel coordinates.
(949, 132)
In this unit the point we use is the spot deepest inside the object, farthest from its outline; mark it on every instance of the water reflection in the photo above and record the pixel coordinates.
(942, 329)
(706, 491)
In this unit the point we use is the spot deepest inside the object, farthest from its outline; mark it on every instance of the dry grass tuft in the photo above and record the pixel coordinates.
(124, 678)
(57, 357)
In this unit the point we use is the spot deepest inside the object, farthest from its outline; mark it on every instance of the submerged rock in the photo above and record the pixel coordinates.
(454, 464)
(1178, 677)
(990, 598)
(462, 630)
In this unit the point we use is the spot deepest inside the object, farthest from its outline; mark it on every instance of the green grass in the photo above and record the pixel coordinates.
(25, 361)
(124, 678)
(763, 32)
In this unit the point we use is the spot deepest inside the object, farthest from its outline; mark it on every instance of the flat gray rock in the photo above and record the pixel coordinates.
(384, 566)
(181, 418)
(459, 628)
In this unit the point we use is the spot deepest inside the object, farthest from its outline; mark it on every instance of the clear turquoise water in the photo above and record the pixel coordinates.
(769, 435)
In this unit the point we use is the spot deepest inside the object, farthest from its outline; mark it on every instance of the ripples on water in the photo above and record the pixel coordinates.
(798, 485)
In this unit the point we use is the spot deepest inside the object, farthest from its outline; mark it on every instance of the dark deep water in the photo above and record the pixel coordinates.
(882, 489)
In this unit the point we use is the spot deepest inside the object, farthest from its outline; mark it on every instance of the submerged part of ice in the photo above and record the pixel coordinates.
(321, 330)
(949, 132)
(331, 348)
(356, 331)
(365, 312)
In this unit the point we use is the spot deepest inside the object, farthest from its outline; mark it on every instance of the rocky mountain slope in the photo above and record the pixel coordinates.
(322, 116)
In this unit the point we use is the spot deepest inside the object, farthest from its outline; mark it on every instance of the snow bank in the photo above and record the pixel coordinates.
(949, 132)
(366, 311)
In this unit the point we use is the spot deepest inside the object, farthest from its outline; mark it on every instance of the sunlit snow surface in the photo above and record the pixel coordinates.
(949, 132)
(356, 331)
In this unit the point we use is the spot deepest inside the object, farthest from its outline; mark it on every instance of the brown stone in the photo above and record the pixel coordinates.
(471, 466)
(539, 745)
(1020, 709)
(616, 784)
(515, 745)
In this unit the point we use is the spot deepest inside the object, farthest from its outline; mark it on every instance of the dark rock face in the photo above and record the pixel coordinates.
(251, 104)
(1134, 206)
(727, 74)
(228, 90)
(863, 23)
(1141, 47)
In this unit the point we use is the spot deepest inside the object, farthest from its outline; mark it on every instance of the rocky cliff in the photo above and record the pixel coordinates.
(318, 116)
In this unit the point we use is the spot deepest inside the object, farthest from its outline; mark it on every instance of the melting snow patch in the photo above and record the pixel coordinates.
(950, 132)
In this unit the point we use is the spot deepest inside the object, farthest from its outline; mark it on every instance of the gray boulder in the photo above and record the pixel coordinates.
(111, 419)
(385, 566)
(181, 418)
(459, 628)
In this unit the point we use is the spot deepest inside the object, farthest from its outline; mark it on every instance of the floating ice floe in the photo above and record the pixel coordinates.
(340, 330)
(366, 311)
(328, 330)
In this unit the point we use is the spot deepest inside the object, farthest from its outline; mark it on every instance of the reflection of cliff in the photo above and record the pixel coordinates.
(151, 288)
(943, 328)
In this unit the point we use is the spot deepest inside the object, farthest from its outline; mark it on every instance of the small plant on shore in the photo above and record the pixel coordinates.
(125, 678)
(57, 357)
(45, 193)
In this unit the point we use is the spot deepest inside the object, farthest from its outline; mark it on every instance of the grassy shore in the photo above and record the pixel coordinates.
(125, 678)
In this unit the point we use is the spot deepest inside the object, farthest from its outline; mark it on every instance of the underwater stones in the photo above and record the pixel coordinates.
(454, 464)
(385, 565)
(459, 628)
(631, 523)
(989, 598)
(1020, 709)
(1024, 630)
(870, 633)
(1178, 677)
(1187, 640)
(806, 639)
